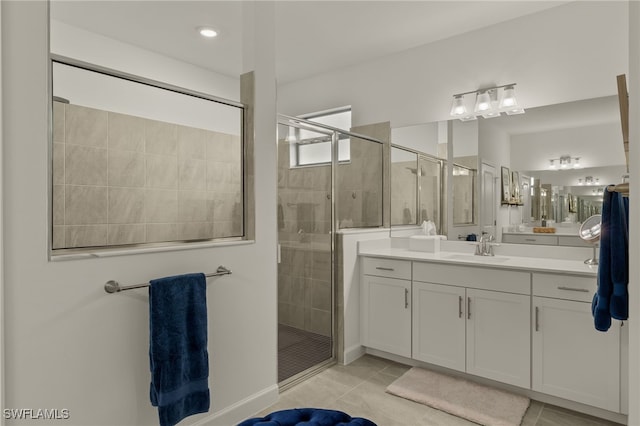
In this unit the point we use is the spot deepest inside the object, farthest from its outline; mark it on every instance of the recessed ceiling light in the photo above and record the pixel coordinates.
(207, 32)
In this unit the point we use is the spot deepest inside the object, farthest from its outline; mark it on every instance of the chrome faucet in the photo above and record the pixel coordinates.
(485, 245)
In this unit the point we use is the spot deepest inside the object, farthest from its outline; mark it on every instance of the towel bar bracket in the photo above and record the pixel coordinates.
(112, 286)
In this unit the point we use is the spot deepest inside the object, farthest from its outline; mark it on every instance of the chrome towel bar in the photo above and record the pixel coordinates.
(112, 286)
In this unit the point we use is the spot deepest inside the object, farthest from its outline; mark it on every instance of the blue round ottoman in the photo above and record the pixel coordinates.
(307, 417)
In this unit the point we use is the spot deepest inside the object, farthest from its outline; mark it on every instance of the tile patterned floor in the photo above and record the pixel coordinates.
(299, 350)
(359, 389)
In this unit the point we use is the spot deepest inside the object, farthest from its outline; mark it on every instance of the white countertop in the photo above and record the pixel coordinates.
(534, 264)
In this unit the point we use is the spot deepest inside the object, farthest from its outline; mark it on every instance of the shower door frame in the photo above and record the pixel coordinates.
(334, 133)
(315, 127)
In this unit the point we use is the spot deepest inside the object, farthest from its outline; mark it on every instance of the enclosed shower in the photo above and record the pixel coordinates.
(328, 179)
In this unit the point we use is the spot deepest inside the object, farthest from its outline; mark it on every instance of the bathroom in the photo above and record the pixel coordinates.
(61, 328)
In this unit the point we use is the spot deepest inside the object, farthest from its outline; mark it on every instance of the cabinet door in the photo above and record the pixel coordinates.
(439, 324)
(571, 359)
(386, 310)
(498, 336)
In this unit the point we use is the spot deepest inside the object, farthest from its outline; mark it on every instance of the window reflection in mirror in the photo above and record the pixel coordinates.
(136, 163)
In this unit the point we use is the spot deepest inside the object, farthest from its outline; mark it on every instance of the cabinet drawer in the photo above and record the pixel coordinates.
(473, 277)
(572, 240)
(391, 268)
(568, 287)
(550, 240)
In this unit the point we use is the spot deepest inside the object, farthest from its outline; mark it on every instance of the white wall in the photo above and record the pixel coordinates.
(95, 90)
(559, 55)
(2, 404)
(67, 40)
(598, 145)
(423, 137)
(68, 343)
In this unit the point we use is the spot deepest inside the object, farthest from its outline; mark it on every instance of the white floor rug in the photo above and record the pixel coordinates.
(460, 397)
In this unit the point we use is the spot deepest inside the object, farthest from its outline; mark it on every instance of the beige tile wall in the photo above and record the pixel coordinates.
(304, 273)
(403, 193)
(120, 179)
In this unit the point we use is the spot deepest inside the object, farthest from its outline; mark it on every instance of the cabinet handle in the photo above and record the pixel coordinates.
(531, 239)
(468, 308)
(537, 316)
(384, 269)
(584, 290)
(406, 298)
(459, 306)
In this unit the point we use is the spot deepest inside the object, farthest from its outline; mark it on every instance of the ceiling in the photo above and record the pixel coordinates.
(312, 37)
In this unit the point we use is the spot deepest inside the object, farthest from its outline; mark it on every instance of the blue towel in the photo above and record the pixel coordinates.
(612, 299)
(178, 354)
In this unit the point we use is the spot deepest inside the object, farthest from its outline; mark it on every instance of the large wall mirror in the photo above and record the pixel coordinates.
(561, 157)
(585, 134)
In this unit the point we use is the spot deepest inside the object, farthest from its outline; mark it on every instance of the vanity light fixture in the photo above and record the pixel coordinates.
(207, 32)
(565, 162)
(589, 180)
(483, 102)
(486, 103)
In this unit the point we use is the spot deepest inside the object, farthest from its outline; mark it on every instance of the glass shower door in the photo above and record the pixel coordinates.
(305, 281)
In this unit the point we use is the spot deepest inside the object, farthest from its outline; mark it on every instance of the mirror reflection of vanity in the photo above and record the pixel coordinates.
(567, 153)
(588, 130)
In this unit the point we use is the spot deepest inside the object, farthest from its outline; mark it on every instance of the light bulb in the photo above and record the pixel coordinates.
(483, 102)
(457, 107)
(207, 32)
(576, 164)
(508, 98)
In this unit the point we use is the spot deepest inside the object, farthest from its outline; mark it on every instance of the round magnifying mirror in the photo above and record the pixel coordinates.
(590, 232)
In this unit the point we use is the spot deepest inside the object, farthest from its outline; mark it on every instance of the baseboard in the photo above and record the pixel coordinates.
(243, 409)
(352, 353)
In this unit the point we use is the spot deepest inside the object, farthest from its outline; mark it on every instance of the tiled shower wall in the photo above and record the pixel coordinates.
(120, 179)
(304, 223)
(403, 193)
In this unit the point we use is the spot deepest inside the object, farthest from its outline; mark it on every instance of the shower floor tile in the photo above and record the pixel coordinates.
(299, 350)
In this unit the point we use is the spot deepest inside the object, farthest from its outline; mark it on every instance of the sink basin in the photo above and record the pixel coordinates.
(473, 257)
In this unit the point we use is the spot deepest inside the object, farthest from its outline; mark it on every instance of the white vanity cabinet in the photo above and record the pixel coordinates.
(386, 305)
(571, 359)
(439, 324)
(473, 319)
